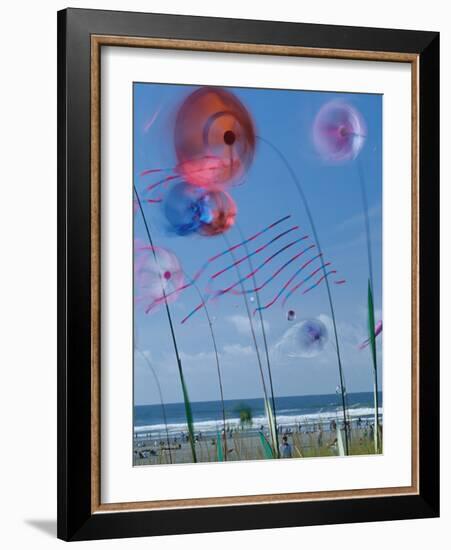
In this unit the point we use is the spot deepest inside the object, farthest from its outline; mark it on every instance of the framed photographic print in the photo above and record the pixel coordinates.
(248, 274)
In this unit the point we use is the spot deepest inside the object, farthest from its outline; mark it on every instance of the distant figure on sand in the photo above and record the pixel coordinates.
(285, 448)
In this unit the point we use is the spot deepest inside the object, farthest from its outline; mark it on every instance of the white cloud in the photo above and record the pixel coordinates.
(356, 221)
(197, 357)
(242, 325)
(237, 349)
(359, 219)
(142, 358)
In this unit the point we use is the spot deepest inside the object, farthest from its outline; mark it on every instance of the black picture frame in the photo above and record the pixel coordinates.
(76, 521)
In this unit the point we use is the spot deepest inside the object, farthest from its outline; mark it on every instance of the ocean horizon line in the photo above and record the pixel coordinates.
(292, 396)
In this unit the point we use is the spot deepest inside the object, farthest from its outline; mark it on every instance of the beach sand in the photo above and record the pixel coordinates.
(246, 445)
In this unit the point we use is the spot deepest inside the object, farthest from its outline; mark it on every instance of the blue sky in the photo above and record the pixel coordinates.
(285, 118)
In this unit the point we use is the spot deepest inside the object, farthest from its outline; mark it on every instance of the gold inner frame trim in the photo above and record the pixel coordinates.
(97, 41)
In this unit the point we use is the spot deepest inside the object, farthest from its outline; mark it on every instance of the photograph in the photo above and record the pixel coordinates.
(228, 325)
(257, 263)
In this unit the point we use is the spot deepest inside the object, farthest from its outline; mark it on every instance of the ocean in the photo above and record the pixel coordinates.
(291, 411)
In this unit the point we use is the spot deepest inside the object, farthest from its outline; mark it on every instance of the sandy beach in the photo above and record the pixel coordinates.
(245, 444)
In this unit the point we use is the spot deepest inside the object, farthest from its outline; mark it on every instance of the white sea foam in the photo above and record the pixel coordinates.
(212, 426)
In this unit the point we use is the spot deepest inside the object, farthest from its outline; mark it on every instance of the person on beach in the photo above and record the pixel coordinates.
(285, 448)
(320, 437)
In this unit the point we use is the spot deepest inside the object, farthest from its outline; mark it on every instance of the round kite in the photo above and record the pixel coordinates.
(157, 276)
(311, 337)
(191, 209)
(214, 139)
(338, 132)
(291, 315)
